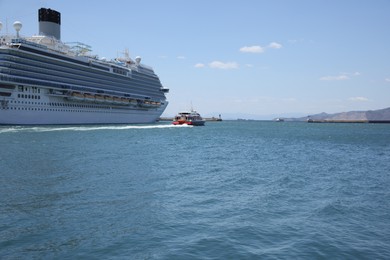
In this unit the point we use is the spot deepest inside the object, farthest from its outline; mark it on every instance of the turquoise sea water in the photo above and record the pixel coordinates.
(229, 190)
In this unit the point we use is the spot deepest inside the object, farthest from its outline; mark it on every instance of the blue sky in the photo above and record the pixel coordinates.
(248, 58)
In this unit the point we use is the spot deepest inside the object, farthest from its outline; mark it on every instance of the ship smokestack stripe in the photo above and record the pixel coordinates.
(49, 23)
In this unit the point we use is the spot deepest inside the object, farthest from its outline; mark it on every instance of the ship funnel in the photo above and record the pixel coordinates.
(49, 23)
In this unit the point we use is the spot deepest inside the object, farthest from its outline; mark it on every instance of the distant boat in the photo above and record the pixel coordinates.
(279, 119)
(188, 118)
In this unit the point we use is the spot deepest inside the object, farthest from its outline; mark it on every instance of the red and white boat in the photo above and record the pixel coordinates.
(188, 118)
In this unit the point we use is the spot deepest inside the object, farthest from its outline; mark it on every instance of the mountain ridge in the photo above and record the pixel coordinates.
(363, 116)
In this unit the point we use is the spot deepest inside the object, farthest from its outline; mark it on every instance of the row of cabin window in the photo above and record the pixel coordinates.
(26, 89)
(52, 109)
(58, 104)
(28, 96)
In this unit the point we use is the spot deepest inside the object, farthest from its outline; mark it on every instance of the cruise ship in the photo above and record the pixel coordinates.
(45, 81)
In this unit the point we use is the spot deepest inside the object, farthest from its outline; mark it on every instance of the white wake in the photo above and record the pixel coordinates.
(16, 129)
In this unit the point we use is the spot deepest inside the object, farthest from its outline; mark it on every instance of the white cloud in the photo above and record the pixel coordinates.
(223, 65)
(181, 57)
(252, 49)
(274, 45)
(294, 41)
(355, 74)
(218, 65)
(199, 65)
(342, 76)
(332, 78)
(259, 49)
(358, 99)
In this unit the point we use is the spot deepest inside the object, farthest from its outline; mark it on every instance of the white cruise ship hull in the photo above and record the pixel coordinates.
(26, 105)
(30, 115)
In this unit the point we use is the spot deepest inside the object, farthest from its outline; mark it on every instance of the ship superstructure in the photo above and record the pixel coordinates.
(45, 81)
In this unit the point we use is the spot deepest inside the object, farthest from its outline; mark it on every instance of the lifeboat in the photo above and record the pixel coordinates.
(89, 97)
(76, 96)
(99, 99)
(125, 101)
(133, 102)
(117, 100)
(108, 99)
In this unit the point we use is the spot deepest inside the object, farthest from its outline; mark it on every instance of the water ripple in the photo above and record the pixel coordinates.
(229, 190)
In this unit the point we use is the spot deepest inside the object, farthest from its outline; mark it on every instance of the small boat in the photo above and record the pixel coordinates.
(188, 118)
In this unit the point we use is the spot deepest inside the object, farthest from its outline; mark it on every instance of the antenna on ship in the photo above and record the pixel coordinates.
(126, 53)
(6, 25)
(17, 27)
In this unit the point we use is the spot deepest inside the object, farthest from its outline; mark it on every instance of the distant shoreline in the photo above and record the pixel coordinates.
(350, 121)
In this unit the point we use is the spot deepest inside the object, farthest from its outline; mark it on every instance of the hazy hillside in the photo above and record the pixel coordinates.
(371, 115)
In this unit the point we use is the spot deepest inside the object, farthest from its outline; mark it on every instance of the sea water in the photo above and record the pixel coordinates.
(228, 190)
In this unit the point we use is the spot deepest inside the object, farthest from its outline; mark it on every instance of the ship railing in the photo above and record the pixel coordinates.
(146, 67)
(55, 46)
(23, 41)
